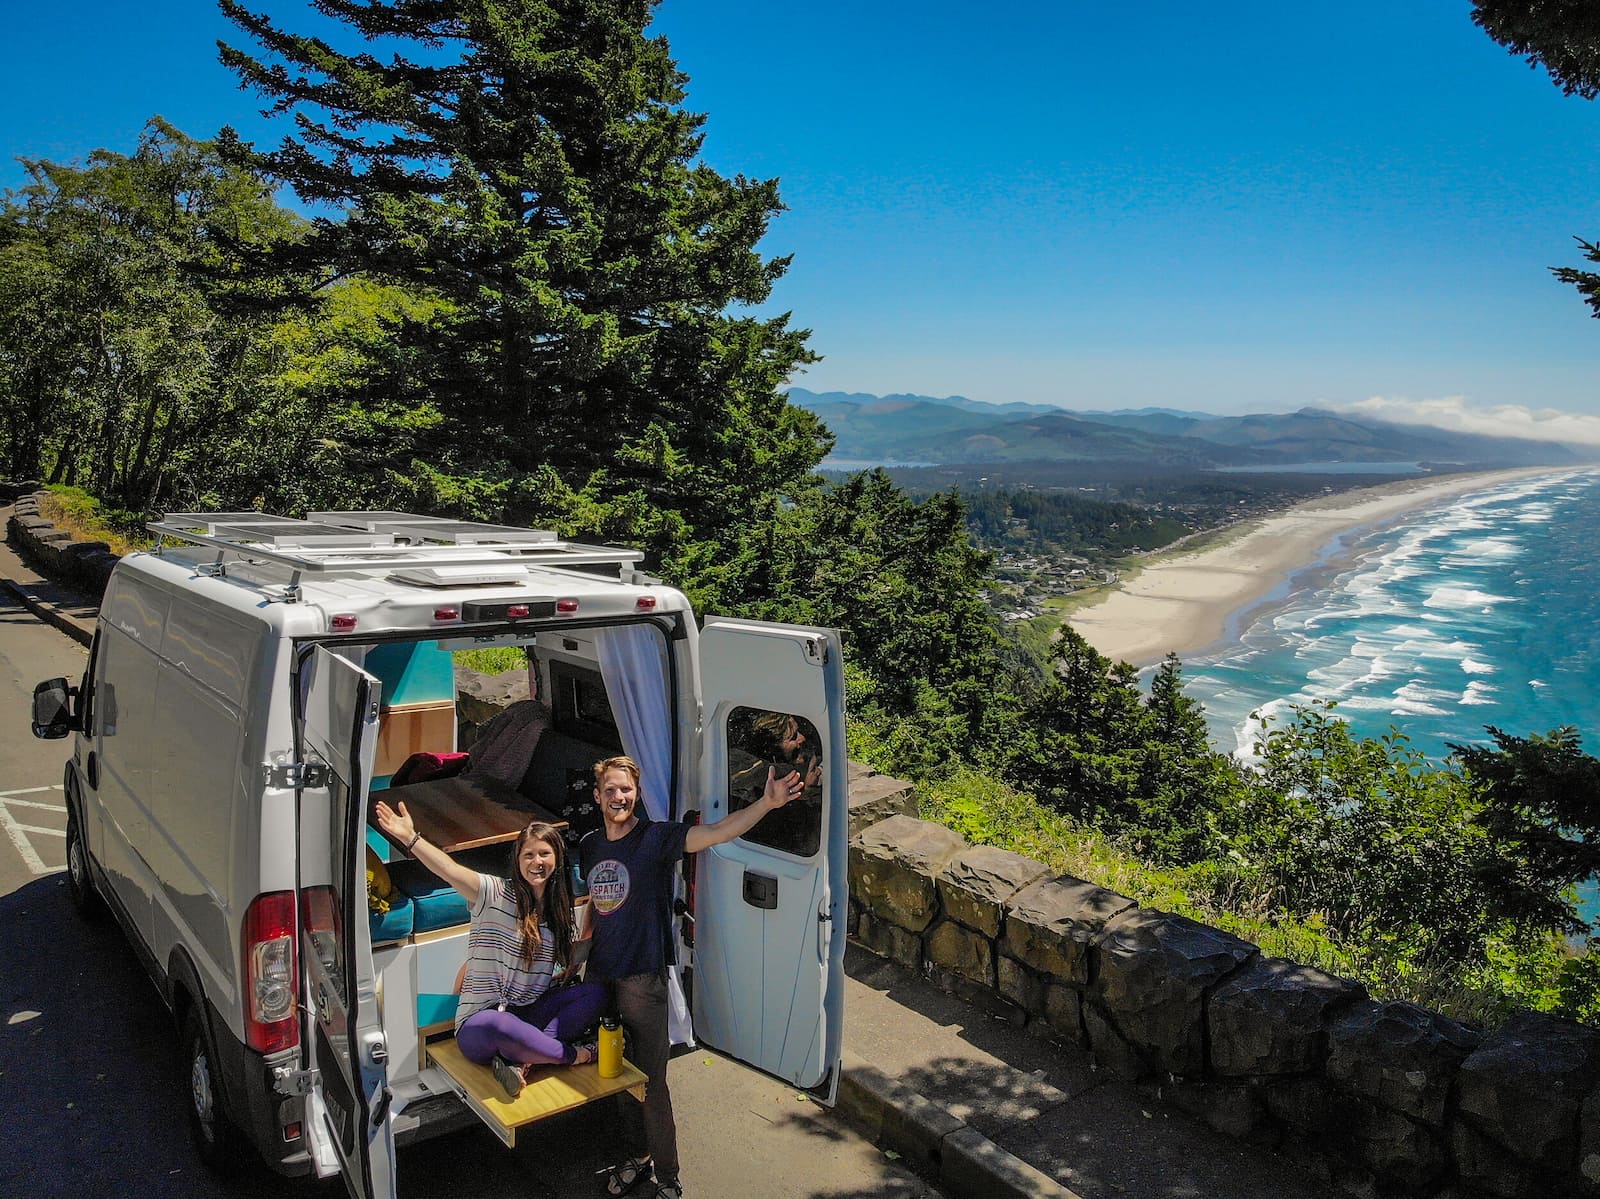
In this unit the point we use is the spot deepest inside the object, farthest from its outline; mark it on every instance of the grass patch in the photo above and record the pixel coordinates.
(494, 659)
(78, 512)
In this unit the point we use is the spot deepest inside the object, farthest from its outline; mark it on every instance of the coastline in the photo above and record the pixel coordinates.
(1183, 602)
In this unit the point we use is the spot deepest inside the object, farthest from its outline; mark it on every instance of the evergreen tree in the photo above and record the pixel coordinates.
(532, 164)
(1541, 811)
(1563, 37)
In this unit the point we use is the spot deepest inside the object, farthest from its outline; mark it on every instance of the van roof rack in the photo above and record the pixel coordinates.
(329, 543)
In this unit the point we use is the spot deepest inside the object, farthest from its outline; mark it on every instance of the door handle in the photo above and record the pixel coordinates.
(760, 890)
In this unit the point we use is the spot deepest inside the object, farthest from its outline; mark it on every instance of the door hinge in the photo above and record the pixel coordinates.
(294, 775)
(286, 1080)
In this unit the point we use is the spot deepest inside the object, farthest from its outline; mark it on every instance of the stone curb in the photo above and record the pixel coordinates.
(936, 1144)
(48, 613)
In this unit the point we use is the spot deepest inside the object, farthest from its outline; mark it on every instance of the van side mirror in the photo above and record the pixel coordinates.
(53, 717)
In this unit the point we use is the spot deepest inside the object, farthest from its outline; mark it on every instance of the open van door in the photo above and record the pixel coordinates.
(771, 905)
(347, 1125)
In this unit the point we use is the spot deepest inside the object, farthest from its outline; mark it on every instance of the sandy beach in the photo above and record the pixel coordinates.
(1180, 602)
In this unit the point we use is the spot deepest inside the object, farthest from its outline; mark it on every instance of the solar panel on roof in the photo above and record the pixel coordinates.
(471, 532)
(374, 522)
(304, 533)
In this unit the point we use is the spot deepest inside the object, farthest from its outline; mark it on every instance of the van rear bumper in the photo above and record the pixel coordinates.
(259, 1111)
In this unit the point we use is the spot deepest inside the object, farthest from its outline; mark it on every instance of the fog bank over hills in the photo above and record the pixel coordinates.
(955, 429)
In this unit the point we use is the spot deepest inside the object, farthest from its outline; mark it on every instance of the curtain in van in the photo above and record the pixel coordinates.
(634, 668)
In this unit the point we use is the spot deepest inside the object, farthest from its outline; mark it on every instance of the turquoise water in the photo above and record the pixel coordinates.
(1482, 611)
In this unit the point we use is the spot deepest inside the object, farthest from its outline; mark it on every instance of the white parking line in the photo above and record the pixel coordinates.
(18, 832)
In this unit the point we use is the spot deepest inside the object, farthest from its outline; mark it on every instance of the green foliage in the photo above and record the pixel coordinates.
(124, 322)
(1366, 832)
(1540, 798)
(494, 659)
(1097, 747)
(1563, 36)
(1054, 522)
(903, 582)
(75, 509)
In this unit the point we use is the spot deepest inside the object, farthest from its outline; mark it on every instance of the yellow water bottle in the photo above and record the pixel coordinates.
(610, 1047)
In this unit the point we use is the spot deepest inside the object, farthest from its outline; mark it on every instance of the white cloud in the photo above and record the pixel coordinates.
(1503, 420)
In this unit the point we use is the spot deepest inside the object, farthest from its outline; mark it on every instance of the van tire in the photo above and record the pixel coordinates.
(216, 1140)
(80, 872)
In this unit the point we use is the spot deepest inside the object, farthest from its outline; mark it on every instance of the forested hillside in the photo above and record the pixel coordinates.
(534, 303)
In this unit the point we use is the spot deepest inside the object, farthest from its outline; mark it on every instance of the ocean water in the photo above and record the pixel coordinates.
(1483, 611)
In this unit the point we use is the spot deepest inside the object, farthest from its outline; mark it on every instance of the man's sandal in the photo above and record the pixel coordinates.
(669, 1190)
(622, 1178)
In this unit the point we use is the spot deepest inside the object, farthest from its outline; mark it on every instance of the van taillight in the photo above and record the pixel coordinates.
(271, 979)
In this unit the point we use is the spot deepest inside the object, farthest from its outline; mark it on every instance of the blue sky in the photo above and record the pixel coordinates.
(1243, 207)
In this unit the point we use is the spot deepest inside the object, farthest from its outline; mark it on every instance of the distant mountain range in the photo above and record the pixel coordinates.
(925, 429)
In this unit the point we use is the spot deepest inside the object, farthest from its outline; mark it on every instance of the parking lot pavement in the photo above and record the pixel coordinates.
(34, 820)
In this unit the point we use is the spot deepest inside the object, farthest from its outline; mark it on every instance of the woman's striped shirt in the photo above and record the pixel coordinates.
(496, 974)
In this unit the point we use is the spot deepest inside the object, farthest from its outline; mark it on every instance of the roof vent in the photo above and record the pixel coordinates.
(460, 576)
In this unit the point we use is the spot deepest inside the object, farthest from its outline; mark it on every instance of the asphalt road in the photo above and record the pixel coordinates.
(91, 1098)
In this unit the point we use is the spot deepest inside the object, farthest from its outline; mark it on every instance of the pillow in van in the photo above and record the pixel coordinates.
(379, 888)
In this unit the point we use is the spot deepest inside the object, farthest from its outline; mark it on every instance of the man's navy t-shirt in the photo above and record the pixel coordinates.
(630, 894)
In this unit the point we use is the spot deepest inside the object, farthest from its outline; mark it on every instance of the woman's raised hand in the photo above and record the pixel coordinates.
(396, 824)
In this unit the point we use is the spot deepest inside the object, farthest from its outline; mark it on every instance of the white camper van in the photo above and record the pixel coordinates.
(254, 679)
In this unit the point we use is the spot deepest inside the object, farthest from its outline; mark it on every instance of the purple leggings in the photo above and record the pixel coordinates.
(542, 1031)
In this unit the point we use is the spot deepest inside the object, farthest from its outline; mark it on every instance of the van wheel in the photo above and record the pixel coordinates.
(216, 1140)
(80, 882)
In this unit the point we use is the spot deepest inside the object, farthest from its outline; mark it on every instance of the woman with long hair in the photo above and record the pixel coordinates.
(515, 1011)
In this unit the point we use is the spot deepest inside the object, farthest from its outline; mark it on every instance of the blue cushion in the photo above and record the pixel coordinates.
(436, 1009)
(395, 924)
(437, 904)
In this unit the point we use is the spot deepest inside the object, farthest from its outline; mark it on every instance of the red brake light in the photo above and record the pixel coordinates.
(447, 614)
(270, 972)
(516, 611)
(566, 606)
(646, 603)
(343, 623)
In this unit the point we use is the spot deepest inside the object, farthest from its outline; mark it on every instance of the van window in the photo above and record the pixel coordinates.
(579, 707)
(759, 739)
(324, 904)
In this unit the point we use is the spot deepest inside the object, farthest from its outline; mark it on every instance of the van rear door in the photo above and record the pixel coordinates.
(771, 905)
(347, 1121)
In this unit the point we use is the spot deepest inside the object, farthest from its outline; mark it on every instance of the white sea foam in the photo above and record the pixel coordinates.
(1473, 666)
(1457, 598)
(1483, 550)
(1477, 694)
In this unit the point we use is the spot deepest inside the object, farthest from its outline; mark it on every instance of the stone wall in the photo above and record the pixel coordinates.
(1394, 1099)
(83, 564)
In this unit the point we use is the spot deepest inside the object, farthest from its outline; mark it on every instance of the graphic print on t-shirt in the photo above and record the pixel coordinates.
(608, 886)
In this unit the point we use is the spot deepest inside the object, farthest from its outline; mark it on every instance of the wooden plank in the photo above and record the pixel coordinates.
(454, 814)
(548, 1092)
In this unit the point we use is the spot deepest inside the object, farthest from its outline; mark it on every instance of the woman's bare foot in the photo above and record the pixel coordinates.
(582, 1055)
